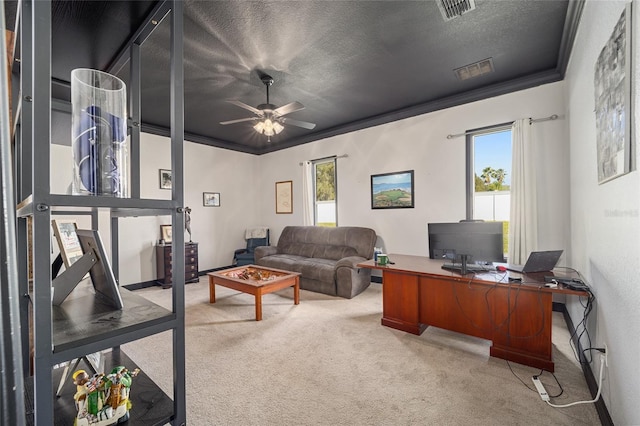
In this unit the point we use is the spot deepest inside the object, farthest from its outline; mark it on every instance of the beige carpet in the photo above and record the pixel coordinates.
(328, 361)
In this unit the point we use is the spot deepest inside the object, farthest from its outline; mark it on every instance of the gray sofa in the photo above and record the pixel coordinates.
(326, 257)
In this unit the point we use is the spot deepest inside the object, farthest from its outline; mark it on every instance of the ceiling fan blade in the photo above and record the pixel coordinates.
(248, 107)
(239, 120)
(303, 124)
(288, 108)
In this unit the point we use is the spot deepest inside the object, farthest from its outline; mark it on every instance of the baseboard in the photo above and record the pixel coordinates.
(592, 383)
(206, 271)
(145, 284)
(139, 286)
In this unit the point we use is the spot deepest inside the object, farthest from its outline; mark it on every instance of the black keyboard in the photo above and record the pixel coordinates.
(471, 267)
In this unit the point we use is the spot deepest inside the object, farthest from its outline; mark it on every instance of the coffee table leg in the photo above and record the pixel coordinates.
(212, 291)
(259, 304)
(296, 292)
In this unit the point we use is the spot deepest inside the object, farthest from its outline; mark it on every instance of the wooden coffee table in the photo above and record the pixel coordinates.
(256, 280)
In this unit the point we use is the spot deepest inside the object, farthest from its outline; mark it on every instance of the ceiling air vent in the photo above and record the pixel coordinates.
(453, 8)
(476, 69)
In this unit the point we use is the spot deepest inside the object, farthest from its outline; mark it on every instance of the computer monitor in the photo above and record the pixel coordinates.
(480, 242)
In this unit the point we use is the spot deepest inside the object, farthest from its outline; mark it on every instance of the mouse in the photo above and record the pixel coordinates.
(501, 268)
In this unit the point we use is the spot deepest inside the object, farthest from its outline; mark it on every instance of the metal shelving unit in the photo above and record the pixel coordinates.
(84, 325)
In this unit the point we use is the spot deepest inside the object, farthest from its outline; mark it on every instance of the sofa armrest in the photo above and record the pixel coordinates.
(351, 280)
(350, 262)
(263, 251)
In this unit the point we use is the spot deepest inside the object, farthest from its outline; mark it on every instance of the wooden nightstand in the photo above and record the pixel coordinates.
(164, 261)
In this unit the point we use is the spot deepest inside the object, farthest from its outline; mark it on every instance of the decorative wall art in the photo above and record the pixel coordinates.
(392, 190)
(612, 79)
(211, 199)
(284, 197)
(165, 179)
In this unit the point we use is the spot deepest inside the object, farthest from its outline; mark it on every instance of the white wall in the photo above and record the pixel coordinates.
(247, 182)
(218, 230)
(605, 227)
(421, 144)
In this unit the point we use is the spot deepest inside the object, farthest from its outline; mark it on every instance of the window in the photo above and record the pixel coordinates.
(489, 176)
(325, 190)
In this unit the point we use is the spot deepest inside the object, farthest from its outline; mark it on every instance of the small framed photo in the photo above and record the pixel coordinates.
(165, 179)
(68, 242)
(392, 190)
(211, 199)
(284, 197)
(165, 233)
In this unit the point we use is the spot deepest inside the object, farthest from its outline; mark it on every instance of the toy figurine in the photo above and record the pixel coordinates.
(80, 378)
(103, 400)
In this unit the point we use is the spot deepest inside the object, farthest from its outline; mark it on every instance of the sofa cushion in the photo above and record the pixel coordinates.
(318, 269)
(319, 251)
(288, 262)
(305, 240)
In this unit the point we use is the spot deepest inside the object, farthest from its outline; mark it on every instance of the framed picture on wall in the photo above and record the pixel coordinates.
(284, 197)
(165, 179)
(392, 190)
(165, 233)
(211, 199)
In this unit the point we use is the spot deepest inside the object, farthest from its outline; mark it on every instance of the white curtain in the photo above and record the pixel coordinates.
(523, 226)
(308, 197)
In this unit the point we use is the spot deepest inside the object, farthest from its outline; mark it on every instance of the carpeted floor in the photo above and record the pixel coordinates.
(328, 361)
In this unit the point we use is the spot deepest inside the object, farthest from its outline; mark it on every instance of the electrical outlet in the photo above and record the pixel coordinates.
(606, 355)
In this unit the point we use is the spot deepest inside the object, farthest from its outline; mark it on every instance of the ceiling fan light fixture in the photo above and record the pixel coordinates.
(270, 119)
(259, 127)
(268, 127)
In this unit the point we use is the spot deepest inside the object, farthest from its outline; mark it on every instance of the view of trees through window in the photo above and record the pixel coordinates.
(325, 190)
(491, 180)
(491, 196)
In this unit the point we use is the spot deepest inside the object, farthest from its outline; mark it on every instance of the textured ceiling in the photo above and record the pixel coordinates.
(353, 64)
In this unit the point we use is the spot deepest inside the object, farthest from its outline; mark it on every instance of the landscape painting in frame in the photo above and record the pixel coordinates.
(392, 190)
(612, 79)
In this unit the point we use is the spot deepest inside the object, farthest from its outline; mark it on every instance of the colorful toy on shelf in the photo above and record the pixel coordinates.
(103, 400)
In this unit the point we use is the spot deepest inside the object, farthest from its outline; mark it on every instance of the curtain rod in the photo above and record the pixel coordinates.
(531, 121)
(327, 158)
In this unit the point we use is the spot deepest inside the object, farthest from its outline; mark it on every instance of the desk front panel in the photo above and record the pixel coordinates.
(525, 316)
(400, 301)
(462, 306)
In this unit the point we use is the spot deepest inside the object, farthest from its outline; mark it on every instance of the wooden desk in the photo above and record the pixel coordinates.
(516, 317)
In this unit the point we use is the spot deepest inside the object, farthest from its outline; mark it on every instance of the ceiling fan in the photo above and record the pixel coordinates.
(269, 118)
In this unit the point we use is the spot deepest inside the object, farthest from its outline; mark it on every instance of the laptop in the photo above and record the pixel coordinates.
(538, 261)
